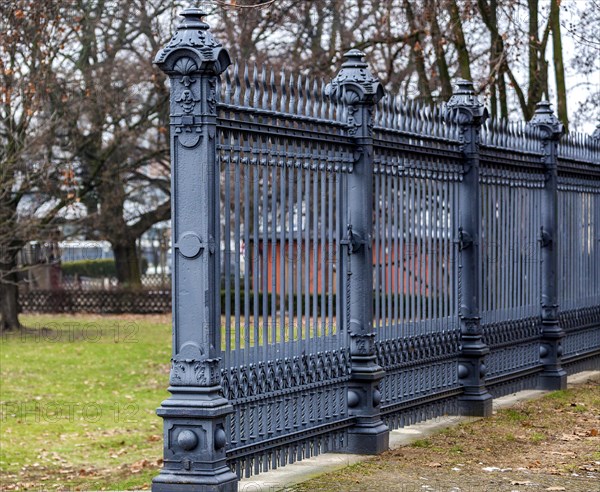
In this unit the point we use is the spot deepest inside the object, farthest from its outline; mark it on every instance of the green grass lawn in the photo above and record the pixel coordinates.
(78, 396)
(77, 403)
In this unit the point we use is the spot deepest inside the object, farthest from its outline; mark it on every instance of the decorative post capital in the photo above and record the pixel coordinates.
(464, 107)
(355, 83)
(193, 49)
(596, 134)
(546, 122)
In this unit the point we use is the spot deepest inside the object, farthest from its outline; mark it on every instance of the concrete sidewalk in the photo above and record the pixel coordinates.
(301, 471)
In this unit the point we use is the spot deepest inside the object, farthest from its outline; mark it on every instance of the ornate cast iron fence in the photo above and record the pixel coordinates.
(346, 263)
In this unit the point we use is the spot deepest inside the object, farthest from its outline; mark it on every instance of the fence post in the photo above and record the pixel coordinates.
(356, 91)
(465, 109)
(195, 415)
(553, 377)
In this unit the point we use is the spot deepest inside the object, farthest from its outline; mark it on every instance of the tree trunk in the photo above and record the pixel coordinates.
(464, 61)
(533, 57)
(559, 69)
(9, 297)
(127, 264)
(440, 56)
(417, 54)
(502, 94)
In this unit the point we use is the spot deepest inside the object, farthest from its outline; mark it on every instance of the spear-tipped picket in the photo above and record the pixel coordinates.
(485, 132)
(247, 86)
(283, 93)
(237, 84)
(377, 112)
(299, 109)
(405, 114)
(265, 88)
(292, 93)
(228, 89)
(273, 87)
(413, 116)
(437, 124)
(395, 118)
(576, 145)
(256, 86)
(323, 101)
(310, 97)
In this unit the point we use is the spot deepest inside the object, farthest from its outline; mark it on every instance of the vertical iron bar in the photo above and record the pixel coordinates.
(247, 178)
(379, 326)
(256, 169)
(396, 256)
(227, 251)
(264, 252)
(299, 225)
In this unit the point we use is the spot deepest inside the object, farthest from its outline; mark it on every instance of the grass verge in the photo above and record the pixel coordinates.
(77, 402)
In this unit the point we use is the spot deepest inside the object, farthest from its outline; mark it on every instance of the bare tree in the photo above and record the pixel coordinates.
(112, 104)
(34, 188)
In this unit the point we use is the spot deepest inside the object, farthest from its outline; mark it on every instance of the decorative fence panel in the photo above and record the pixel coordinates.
(283, 158)
(417, 169)
(512, 183)
(579, 246)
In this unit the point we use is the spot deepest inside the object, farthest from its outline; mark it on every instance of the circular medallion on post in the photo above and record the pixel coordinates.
(189, 245)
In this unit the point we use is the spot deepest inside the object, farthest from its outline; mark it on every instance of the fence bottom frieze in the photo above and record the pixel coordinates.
(439, 405)
(587, 362)
(279, 451)
(512, 382)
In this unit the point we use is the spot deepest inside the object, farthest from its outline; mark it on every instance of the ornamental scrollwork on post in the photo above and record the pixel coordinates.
(471, 326)
(211, 96)
(596, 134)
(466, 110)
(354, 86)
(362, 344)
(191, 367)
(545, 121)
(192, 59)
(549, 129)
(194, 34)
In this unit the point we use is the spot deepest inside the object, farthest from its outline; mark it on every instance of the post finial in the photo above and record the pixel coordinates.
(195, 41)
(464, 107)
(193, 18)
(546, 122)
(355, 82)
(596, 134)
